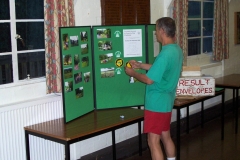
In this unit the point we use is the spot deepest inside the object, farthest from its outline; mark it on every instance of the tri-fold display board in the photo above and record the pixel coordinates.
(77, 71)
(93, 62)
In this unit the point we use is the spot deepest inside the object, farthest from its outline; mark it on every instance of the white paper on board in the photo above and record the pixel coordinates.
(132, 42)
(155, 45)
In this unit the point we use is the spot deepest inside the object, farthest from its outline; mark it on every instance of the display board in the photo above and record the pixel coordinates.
(113, 47)
(153, 46)
(77, 75)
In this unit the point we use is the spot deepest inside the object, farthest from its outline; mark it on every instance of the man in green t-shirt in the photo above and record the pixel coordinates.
(161, 79)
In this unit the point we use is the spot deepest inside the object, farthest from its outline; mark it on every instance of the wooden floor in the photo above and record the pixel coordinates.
(206, 143)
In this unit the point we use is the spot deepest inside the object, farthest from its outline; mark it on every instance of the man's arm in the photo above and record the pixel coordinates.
(138, 65)
(141, 77)
(145, 66)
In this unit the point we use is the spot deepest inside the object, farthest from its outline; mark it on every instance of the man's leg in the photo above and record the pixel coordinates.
(168, 144)
(155, 147)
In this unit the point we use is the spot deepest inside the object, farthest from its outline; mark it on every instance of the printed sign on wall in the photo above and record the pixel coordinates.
(196, 86)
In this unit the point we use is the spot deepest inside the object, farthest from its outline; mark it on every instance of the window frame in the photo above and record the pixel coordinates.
(14, 52)
(201, 35)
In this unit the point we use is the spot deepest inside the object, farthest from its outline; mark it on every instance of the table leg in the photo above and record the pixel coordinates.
(236, 112)
(113, 145)
(187, 119)
(139, 139)
(67, 151)
(234, 102)
(202, 114)
(222, 116)
(178, 134)
(27, 145)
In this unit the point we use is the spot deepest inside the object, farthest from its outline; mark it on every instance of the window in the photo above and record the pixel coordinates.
(200, 26)
(22, 52)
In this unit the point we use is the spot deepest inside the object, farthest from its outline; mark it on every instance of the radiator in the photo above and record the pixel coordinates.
(13, 118)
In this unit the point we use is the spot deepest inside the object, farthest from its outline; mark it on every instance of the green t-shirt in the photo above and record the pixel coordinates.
(165, 73)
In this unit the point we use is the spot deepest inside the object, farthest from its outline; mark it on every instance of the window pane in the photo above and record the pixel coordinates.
(194, 9)
(31, 63)
(6, 74)
(5, 38)
(32, 34)
(4, 10)
(194, 46)
(207, 27)
(29, 9)
(207, 45)
(194, 28)
(208, 9)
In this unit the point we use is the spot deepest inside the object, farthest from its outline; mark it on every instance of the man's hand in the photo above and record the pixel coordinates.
(135, 64)
(129, 71)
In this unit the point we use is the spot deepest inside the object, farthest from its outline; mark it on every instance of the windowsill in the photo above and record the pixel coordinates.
(22, 91)
(199, 60)
(207, 65)
(23, 82)
(33, 100)
(213, 64)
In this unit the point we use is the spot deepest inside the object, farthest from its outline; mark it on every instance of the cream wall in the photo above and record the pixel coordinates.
(88, 12)
(232, 64)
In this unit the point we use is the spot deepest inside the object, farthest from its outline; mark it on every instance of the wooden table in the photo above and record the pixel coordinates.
(185, 103)
(87, 126)
(231, 82)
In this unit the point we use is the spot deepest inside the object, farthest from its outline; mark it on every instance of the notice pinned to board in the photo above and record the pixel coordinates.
(156, 46)
(132, 42)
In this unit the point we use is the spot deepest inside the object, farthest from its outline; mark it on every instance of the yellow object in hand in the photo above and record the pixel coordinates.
(128, 65)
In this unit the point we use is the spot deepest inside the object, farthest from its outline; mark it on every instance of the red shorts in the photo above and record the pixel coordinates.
(156, 122)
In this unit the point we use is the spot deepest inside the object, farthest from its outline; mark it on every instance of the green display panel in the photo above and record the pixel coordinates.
(77, 71)
(113, 47)
(153, 47)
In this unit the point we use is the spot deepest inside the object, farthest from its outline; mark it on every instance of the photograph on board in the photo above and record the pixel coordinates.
(68, 73)
(74, 41)
(78, 77)
(87, 76)
(84, 48)
(107, 72)
(65, 41)
(69, 86)
(67, 60)
(76, 62)
(84, 36)
(104, 45)
(79, 92)
(103, 33)
(85, 61)
(106, 58)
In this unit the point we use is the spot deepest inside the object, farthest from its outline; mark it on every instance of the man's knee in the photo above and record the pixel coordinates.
(165, 136)
(153, 139)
